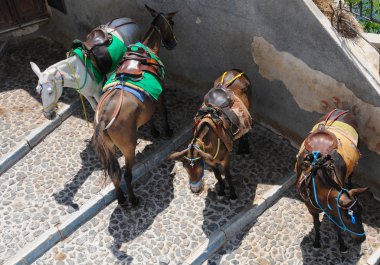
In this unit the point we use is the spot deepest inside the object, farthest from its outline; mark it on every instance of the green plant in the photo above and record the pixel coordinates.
(368, 26)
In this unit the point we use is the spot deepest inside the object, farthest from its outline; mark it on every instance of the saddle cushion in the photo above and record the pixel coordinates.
(323, 141)
(97, 37)
(218, 97)
(137, 60)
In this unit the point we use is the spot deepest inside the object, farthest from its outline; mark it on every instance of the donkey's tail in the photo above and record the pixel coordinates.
(107, 156)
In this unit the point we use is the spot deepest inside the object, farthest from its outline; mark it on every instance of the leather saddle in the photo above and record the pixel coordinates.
(135, 61)
(95, 48)
(321, 140)
(222, 98)
(97, 37)
(219, 97)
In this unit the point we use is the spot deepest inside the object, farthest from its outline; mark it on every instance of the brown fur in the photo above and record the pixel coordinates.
(206, 135)
(133, 114)
(329, 181)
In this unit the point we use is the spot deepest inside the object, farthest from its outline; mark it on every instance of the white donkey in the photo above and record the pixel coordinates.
(72, 72)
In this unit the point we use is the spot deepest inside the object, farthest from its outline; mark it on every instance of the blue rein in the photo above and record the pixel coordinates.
(350, 212)
(192, 161)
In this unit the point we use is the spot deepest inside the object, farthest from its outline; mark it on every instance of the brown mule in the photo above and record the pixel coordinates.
(324, 166)
(223, 118)
(121, 113)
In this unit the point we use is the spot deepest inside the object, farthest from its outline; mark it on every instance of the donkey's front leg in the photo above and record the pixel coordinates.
(233, 196)
(342, 246)
(317, 225)
(92, 101)
(243, 147)
(162, 106)
(220, 184)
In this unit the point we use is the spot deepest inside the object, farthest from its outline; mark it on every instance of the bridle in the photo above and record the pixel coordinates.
(194, 144)
(55, 102)
(41, 85)
(167, 44)
(318, 206)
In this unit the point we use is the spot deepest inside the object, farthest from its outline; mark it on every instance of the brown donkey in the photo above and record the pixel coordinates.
(223, 117)
(324, 166)
(126, 105)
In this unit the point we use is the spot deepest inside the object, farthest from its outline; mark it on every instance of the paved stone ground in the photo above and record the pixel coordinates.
(20, 105)
(171, 221)
(284, 234)
(63, 172)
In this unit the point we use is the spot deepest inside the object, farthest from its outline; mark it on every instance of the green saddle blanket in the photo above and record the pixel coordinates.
(149, 83)
(116, 49)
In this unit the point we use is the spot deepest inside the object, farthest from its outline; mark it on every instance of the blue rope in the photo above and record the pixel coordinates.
(201, 177)
(343, 226)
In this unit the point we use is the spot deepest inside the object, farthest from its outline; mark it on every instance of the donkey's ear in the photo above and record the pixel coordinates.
(151, 11)
(357, 191)
(176, 155)
(171, 15)
(36, 69)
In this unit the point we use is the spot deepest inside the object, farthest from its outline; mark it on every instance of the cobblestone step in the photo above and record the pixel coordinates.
(20, 104)
(61, 173)
(22, 123)
(171, 221)
(284, 235)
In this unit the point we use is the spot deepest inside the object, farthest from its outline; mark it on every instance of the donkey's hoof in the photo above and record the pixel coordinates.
(243, 151)
(316, 245)
(219, 197)
(155, 133)
(343, 249)
(169, 133)
(123, 203)
(233, 198)
(135, 201)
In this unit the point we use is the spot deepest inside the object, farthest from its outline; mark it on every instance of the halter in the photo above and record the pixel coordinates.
(192, 163)
(55, 91)
(350, 212)
(193, 160)
(165, 44)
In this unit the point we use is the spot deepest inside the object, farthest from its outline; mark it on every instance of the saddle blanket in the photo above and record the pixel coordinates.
(139, 94)
(347, 143)
(116, 50)
(149, 83)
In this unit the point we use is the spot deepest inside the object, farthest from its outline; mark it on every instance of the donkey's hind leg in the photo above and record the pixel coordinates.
(243, 147)
(129, 154)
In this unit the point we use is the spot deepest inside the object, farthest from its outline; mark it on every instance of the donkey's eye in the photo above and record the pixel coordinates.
(50, 91)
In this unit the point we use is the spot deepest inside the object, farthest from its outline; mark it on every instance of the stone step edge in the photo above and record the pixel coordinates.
(36, 136)
(374, 259)
(33, 250)
(216, 241)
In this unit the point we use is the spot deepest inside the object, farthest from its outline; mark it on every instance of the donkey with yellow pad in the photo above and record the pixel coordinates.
(324, 167)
